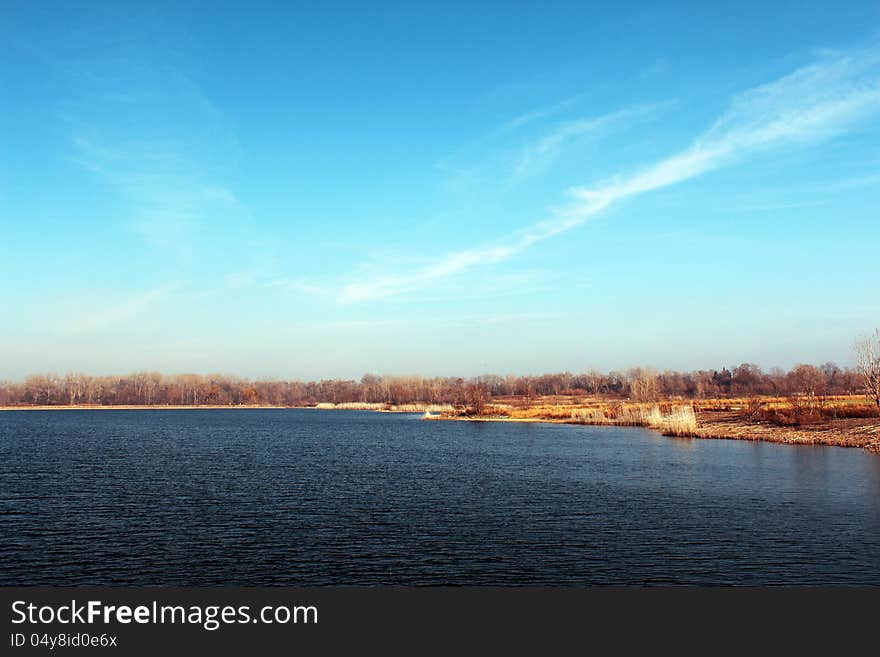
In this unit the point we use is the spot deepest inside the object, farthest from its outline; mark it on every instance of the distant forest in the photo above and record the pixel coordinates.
(144, 388)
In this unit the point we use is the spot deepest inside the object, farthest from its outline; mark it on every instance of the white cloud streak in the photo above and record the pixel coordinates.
(545, 149)
(536, 115)
(812, 104)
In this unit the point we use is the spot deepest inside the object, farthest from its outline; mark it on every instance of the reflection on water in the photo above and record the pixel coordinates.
(810, 466)
(873, 469)
(311, 497)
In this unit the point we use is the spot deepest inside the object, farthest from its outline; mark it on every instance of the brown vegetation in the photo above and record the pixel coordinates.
(868, 357)
(844, 421)
(151, 388)
(807, 404)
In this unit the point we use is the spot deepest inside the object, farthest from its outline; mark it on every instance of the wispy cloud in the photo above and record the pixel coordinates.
(535, 115)
(164, 193)
(537, 154)
(453, 263)
(812, 104)
(870, 180)
(117, 312)
(300, 286)
(165, 168)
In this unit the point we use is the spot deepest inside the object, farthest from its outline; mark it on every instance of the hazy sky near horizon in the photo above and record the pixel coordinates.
(266, 189)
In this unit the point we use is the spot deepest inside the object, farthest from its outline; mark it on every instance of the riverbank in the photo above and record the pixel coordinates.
(132, 407)
(705, 419)
(847, 432)
(842, 433)
(324, 406)
(712, 419)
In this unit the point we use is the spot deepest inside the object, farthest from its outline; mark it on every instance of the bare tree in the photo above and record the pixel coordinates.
(644, 386)
(807, 380)
(805, 384)
(73, 387)
(477, 396)
(868, 359)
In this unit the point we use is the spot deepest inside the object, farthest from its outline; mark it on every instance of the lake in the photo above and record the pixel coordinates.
(310, 497)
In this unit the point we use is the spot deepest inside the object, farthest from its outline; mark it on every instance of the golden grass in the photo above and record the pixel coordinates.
(842, 403)
(671, 418)
(421, 408)
(596, 410)
(845, 421)
(680, 421)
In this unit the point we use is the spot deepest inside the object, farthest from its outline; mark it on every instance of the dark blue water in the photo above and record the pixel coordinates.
(306, 497)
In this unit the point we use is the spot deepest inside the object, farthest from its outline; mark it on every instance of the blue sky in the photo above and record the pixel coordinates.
(267, 189)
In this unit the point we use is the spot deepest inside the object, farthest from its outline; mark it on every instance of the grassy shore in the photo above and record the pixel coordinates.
(844, 421)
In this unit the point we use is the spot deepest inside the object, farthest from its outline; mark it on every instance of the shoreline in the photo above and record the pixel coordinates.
(190, 407)
(864, 434)
(848, 433)
(375, 408)
(137, 407)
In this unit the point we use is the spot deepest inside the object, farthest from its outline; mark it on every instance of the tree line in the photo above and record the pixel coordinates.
(151, 388)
